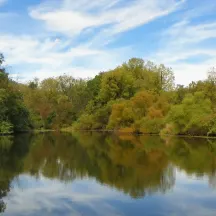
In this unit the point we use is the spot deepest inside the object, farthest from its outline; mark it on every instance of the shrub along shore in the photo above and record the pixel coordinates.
(136, 97)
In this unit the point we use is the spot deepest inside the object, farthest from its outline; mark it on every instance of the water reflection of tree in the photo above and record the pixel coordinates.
(195, 156)
(4, 189)
(138, 166)
(12, 152)
(112, 161)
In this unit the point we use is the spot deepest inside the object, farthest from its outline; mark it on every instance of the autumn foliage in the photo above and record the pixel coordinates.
(135, 97)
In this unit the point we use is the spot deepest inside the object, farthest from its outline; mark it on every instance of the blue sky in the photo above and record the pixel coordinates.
(43, 38)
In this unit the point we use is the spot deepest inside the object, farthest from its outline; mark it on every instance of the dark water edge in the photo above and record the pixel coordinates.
(6, 134)
(26, 132)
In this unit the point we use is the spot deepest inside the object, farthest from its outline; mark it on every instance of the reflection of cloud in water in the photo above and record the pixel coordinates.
(45, 197)
(190, 196)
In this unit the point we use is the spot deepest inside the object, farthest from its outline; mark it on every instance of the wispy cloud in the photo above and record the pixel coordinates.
(183, 47)
(82, 37)
(104, 18)
(73, 17)
(75, 34)
(53, 57)
(184, 32)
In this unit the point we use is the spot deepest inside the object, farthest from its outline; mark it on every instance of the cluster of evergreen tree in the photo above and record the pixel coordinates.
(137, 96)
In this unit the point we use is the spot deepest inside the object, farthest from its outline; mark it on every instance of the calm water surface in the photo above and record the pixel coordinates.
(98, 174)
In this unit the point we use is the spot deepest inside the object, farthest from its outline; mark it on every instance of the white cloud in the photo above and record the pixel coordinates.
(26, 49)
(48, 59)
(92, 64)
(184, 32)
(182, 42)
(66, 21)
(97, 20)
(79, 16)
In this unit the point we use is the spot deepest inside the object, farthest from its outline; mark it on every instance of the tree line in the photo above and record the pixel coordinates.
(137, 97)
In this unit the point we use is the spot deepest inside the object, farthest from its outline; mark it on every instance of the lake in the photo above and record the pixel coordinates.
(103, 174)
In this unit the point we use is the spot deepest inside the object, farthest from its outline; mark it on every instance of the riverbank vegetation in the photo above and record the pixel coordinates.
(13, 111)
(135, 97)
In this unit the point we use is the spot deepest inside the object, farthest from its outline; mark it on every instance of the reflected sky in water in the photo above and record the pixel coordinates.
(97, 174)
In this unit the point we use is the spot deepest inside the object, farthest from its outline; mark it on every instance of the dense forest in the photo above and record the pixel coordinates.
(135, 97)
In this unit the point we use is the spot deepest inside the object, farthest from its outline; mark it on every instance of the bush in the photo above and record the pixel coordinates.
(150, 126)
(85, 122)
(191, 116)
(170, 129)
(212, 125)
(6, 127)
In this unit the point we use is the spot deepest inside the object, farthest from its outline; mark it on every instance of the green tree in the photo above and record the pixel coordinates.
(191, 116)
(13, 113)
(116, 84)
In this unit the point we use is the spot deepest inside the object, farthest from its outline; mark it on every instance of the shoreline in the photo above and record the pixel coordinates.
(26, 131)
(69, 130)
(138, 134)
